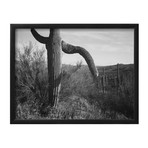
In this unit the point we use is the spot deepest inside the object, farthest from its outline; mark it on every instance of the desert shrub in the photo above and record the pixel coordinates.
(122, 102)
(74, 107)
(31, 77)
(78, 83)
(126, 93)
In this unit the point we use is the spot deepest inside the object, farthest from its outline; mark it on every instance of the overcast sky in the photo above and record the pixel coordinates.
(106, 46)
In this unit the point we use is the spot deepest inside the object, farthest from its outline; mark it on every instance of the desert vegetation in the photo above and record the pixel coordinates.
(79, 97)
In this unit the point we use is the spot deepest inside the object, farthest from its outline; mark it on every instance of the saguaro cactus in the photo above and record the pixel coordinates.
(54, 46)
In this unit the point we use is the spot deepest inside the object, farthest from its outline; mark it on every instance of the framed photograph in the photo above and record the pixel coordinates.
(74, 74)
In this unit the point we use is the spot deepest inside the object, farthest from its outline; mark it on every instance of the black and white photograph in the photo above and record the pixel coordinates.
(74, 73)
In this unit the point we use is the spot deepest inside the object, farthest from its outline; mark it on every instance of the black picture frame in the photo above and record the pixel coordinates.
(13, 27)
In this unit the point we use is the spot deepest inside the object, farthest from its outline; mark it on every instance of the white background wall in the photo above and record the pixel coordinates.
(72, 136)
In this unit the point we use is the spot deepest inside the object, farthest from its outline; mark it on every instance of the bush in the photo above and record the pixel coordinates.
(31, 77)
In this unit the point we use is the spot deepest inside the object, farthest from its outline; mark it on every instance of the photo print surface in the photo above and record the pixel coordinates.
(74, 74)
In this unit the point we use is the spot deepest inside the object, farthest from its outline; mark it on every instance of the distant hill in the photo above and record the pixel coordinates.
(111, 69)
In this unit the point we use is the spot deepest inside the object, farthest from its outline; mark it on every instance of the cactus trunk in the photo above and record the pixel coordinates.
(54, 66)
(53, 46)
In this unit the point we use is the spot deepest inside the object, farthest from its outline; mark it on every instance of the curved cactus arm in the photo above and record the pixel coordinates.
(38, 37)
(70, 49)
